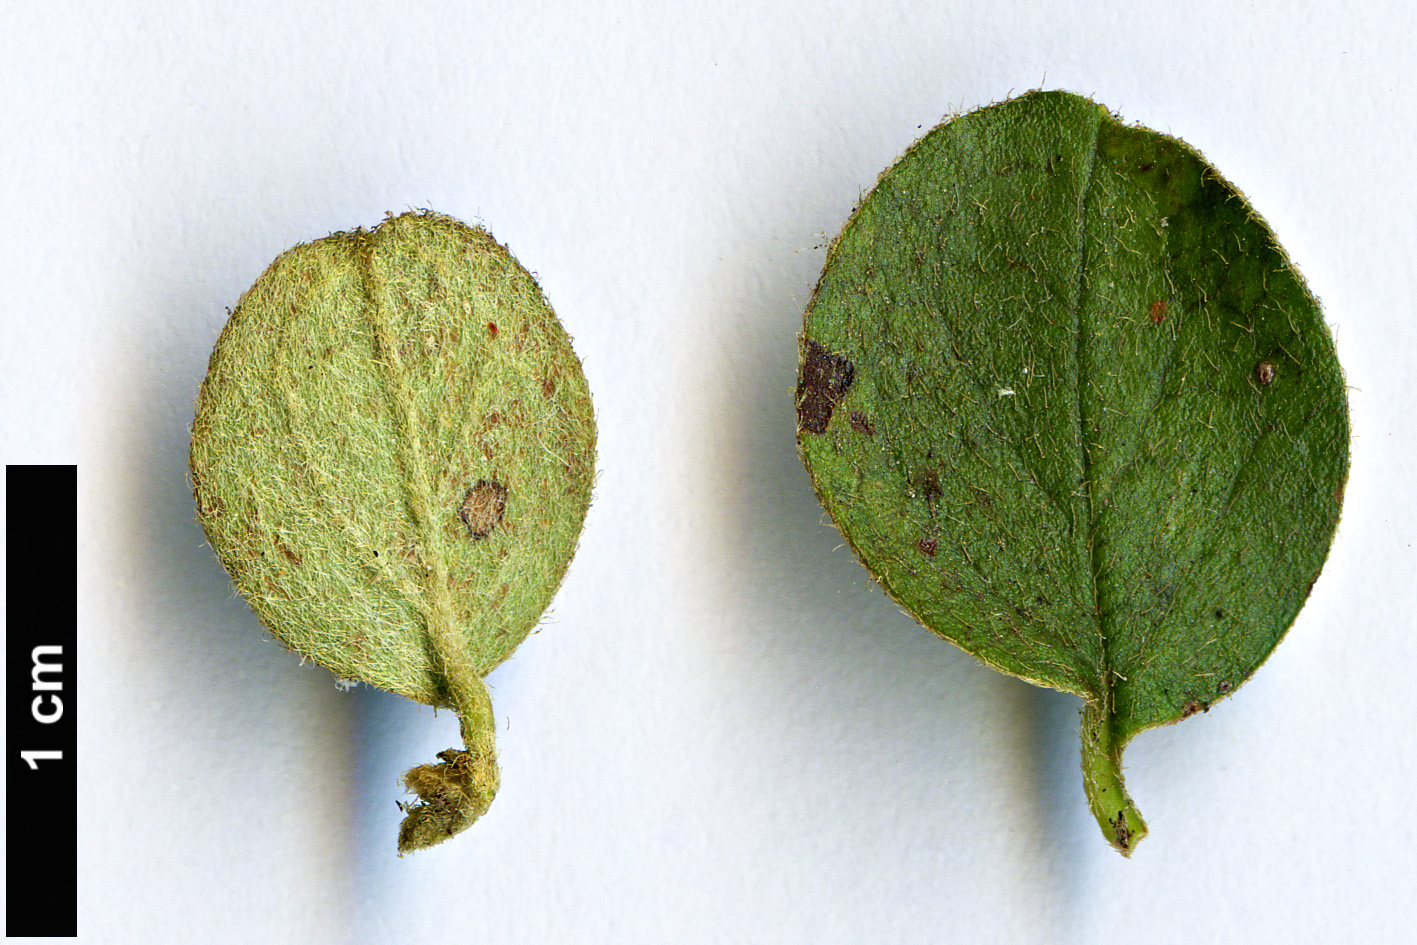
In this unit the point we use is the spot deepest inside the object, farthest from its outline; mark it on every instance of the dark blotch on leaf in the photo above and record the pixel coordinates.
(824, 378)
(1264, 373)
(928, 545)
(1192, 706)
(483, 507)
(1121, 833)
(862, 424)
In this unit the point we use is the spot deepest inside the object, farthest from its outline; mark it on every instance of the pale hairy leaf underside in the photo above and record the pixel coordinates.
(392, 456)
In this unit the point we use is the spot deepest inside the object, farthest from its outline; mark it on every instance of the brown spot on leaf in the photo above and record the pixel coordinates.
(1158, 312)
(862, 424)
(483, 508)
(210, 506)
(1264, 373)
(930, 486)
(290, 553)
(823, 380)
(928, 546)
(1224, 687)
(1191, 706)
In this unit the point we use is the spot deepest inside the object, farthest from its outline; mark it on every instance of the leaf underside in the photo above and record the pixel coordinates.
(1070, 403)
(363, 389)
(392, 455)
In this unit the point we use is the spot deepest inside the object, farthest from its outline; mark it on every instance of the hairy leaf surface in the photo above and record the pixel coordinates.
(1073, 407)
(392, 456)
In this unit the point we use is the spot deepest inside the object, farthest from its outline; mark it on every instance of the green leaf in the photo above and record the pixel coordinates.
(1074, 409)
(392, 456)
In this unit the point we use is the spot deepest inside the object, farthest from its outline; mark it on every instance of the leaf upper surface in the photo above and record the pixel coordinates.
(1092, 427)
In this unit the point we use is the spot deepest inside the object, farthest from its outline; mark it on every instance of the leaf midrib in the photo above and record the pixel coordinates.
(439, 624)
(1094, 563)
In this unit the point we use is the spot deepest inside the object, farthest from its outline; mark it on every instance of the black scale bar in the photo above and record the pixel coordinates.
(41, 628)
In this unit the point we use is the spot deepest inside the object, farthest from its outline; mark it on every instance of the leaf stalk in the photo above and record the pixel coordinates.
(454, 793)
(1118, 817)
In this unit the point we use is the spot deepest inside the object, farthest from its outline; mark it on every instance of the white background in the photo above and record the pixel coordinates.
(724, 732)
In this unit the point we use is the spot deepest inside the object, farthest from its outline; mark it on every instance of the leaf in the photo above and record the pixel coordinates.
(1071, 405)
(392, 456)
